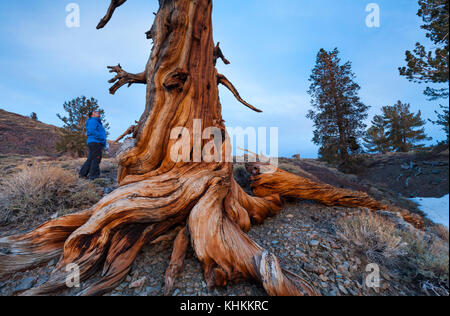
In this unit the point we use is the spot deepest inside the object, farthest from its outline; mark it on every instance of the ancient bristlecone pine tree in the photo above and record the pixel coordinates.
(156, 196)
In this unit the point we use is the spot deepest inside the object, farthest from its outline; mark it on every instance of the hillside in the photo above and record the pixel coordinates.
(22, 135)
(329, 246)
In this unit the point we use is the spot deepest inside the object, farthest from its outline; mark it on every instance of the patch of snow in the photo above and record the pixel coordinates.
(436, 209)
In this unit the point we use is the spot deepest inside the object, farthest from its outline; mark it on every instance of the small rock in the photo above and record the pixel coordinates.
(335, 246)
(343, 289)
(344, 268)
(138, 284)
(314, 243)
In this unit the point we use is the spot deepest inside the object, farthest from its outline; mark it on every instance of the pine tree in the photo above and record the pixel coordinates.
(443, 120)
(376, 140)
(34, 116)
(339, 114)
(404, 129)
(74, 136)
(431, 66)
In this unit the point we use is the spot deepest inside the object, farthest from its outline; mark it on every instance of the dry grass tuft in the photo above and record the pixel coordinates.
(442, 232)
(373, 235)
(39, 192)
(428, 259)
(422, 258)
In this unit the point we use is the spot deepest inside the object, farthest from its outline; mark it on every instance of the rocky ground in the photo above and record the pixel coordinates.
(304, 236)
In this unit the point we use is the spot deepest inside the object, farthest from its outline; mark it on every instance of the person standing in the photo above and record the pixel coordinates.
(96, 142)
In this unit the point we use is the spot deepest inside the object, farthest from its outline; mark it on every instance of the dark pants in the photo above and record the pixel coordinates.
(91, 168)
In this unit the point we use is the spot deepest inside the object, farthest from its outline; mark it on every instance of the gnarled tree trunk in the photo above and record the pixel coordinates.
(158, 194)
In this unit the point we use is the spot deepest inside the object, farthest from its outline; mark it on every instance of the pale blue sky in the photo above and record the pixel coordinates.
(272, 46)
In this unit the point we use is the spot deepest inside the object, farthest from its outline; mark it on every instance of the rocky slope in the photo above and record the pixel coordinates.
(22, 135)
(307, 237)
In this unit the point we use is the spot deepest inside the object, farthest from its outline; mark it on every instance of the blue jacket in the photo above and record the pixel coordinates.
(95, 131)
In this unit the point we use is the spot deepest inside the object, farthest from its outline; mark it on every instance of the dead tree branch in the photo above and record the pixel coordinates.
(218, 54)
(130, 130)
(223, 80)
(124, 78)
(112, 7)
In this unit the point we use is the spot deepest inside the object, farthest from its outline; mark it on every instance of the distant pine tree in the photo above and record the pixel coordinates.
(34, 116)
(431, 66)
(376, 140)
(405, 130)
(339, 114)
(443, 120)
(74, 136)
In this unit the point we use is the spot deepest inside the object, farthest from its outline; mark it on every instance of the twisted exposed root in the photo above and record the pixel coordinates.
(244, 209)
(125, 246)
(18, 253)
(228, 254)
(118, 226)
(177, 260)
(268, 180)
(112, 233)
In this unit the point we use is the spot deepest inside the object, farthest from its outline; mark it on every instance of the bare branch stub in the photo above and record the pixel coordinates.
(218, 54)
(131, 130)
(223, 80)
(123, 78)
(112, 7)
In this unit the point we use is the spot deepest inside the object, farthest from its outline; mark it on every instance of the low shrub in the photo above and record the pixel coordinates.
(428, 260)
(36, 193)
(422, 258)
(373, 235)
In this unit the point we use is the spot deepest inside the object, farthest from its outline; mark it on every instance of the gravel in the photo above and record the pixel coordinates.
(302, 237)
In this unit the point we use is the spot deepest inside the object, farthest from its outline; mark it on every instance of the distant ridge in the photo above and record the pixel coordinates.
(22, 135)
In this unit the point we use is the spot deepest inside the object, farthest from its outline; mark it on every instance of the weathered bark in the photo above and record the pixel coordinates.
(157, 194)
(268, 180)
